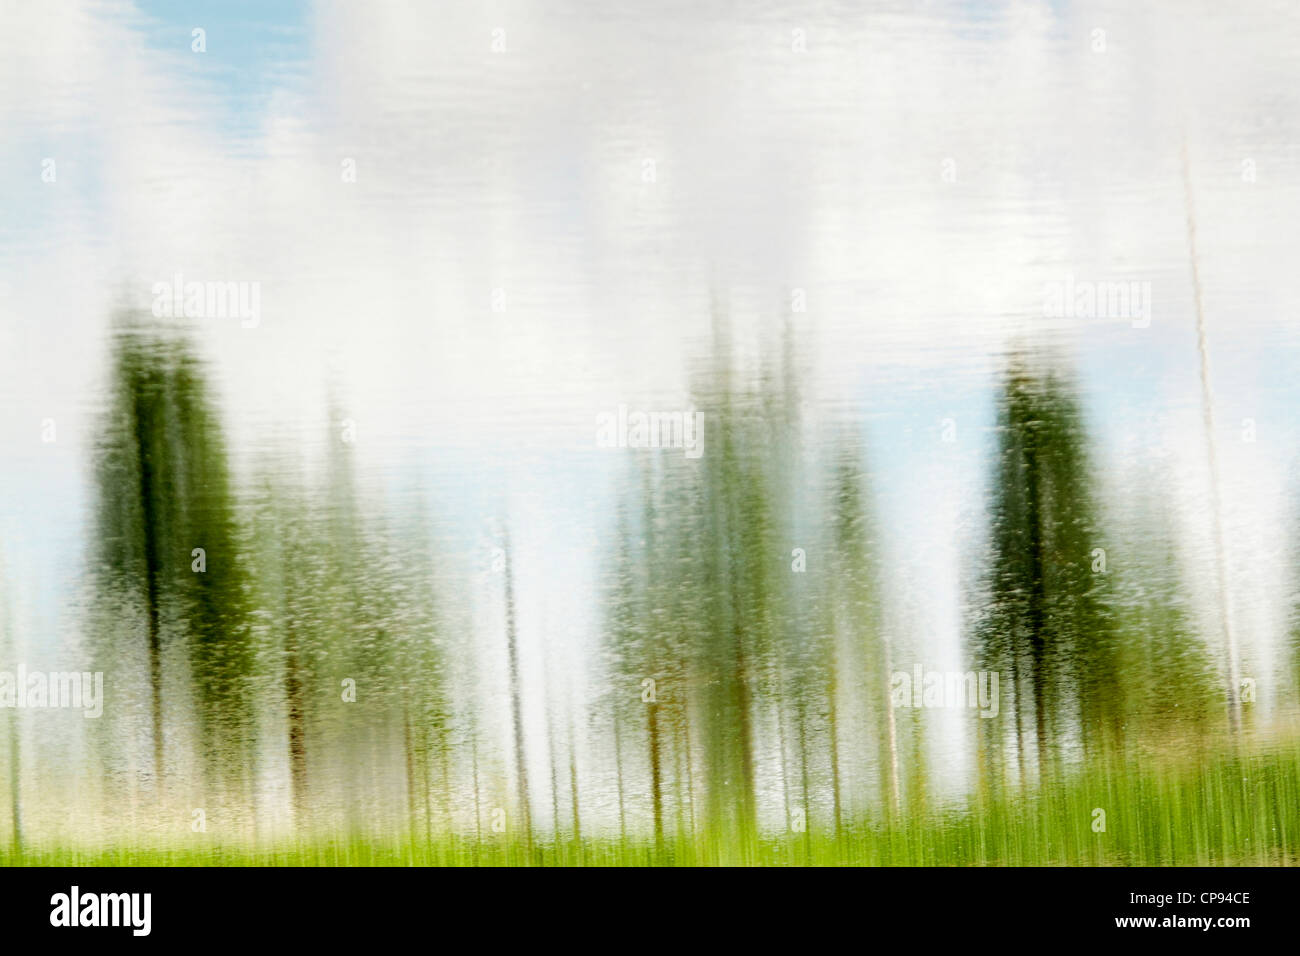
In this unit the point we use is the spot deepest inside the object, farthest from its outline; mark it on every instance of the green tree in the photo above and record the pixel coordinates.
(1047, 624)
(169, 542)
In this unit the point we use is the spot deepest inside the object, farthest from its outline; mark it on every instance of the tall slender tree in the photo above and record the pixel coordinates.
(1048, 625)
(170, 543)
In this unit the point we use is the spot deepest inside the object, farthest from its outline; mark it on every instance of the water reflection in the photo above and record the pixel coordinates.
(364, 569)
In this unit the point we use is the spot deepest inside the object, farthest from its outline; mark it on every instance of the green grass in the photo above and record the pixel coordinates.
(1219, 809)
